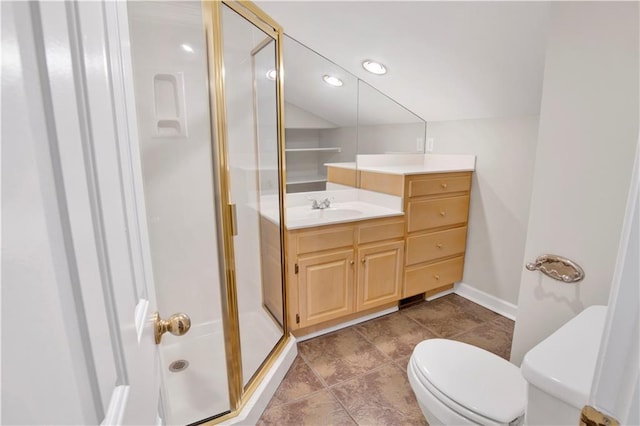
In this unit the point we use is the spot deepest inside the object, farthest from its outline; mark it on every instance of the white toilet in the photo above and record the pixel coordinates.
(459, 384)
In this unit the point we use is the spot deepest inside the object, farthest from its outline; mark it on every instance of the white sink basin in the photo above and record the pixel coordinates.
(305, 216)
(333, 213)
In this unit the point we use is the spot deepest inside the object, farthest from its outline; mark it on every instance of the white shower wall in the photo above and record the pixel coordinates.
(178, 180)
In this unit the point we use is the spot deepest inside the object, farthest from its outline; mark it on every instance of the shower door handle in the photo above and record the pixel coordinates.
(177, 324)
(234, 219)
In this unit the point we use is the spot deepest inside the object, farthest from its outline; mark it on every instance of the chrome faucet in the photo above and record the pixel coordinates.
(324, 204)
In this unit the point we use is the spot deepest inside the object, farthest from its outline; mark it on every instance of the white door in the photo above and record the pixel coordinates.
(616, 382)
(77, 296)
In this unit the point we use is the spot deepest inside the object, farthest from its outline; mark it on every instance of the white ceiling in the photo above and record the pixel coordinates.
(446, 60)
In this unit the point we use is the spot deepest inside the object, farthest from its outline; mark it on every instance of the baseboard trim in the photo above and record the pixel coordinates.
(346, 324)
(497, 305)
(439, 295)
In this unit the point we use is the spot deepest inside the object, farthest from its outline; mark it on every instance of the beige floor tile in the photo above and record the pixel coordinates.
(471, 308)
(490, 336)
(366, 369)
(394, 335)
(320, 409)
(443, 318)
(299, 382)
(339, 356)
(403, 363)
(381, 397)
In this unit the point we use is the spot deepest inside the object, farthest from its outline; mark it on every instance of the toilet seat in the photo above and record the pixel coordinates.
(473, 382)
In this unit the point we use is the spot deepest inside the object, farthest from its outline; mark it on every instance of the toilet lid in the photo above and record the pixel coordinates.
(474, 378)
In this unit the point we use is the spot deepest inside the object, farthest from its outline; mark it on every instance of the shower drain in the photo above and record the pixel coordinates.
(179, 365)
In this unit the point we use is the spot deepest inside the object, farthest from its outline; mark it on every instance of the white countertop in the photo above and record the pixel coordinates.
(413, 170)
(411, 164)
(347, 205)
(304, 217)
(351, 165)
(353, 204)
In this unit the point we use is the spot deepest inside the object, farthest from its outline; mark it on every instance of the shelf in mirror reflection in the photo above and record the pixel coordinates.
(308, 179)
(328, 149)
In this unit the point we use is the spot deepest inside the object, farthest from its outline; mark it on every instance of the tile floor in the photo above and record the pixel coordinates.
(357, 375)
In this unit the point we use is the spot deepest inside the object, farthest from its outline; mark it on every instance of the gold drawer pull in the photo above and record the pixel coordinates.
(439, 245)
(444, 186)
(443, 213)
(436, 276)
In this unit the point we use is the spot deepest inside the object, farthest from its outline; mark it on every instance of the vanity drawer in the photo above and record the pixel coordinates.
(420, 186)
(381, 230)
(424, 278)
(426, 247)
(437, 213)
(324, 239)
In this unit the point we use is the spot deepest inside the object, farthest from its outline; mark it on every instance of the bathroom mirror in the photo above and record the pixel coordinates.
(385, 126)
(320, 118)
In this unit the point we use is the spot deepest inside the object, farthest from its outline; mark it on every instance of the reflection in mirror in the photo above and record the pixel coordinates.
(265, 101)
(320, 119)
(385, 126)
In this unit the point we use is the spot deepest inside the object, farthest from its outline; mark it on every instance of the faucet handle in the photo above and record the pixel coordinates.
(314, 202)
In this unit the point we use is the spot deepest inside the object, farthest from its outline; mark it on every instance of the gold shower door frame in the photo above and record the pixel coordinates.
(212, 12)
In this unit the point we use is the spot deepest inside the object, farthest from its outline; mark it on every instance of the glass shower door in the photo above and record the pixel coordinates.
(212, 189)
(251, 104)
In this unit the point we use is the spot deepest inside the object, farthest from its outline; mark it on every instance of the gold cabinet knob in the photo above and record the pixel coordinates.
(363, 260)
(177, 324)
(351, 262)
(439, 245)
(443, 213)
(444, 186)
(436, 276)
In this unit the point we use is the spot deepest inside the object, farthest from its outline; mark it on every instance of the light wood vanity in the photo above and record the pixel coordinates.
(339, 272)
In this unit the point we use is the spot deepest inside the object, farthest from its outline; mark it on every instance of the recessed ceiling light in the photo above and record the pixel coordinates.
(187, 48)
(271, 74)
(374, 67)
(332, 81)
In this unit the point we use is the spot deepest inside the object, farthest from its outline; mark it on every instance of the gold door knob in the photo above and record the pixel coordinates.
(177, 324)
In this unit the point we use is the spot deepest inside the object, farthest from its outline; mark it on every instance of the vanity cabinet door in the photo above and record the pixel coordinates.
(379, 274)
(325, 285)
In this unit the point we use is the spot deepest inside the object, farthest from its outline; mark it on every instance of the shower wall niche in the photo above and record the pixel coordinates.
(170, 106)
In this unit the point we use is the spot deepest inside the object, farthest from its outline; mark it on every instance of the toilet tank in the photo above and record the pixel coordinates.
(559, 370)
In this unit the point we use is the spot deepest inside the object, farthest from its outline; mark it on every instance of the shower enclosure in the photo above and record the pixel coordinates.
(208, 104)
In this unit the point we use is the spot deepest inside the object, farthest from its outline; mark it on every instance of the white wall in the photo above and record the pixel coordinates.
(500, 196)
(391, 138)
(587, 139)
